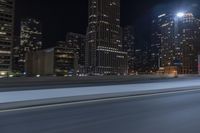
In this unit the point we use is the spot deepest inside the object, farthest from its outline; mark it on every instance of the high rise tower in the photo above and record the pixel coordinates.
(6, 35)
(129, 46)
(188, 39)
(30, 39)
(104, 50)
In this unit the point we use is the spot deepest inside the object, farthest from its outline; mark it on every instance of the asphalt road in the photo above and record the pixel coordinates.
(166, 113)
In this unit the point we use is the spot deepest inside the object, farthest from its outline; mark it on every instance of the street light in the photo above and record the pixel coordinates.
(180, 14)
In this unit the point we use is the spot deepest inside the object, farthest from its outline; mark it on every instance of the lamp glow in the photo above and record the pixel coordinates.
(180, 14)
(3, 73)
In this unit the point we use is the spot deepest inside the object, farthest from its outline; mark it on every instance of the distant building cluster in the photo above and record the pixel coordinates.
(105, 49)
(176, 43)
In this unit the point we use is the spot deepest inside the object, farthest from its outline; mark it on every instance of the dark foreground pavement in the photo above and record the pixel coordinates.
(166, 113)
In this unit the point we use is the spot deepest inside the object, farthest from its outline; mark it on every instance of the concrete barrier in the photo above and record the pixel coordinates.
(75, 99)
(42, 81)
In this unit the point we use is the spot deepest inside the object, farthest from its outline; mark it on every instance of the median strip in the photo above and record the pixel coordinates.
(20, 99)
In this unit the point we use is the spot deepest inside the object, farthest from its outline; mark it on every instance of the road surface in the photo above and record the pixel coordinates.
(163, 113)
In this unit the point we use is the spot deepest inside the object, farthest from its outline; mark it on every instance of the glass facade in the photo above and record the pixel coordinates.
(175, 42)
(30, 39)
(104, 48)
(78, 43)
(65, 60)
(6, 34)
(129, 47)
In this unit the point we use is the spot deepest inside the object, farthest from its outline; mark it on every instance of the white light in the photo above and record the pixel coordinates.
(3, 73)
(11, 76)
(180, 14)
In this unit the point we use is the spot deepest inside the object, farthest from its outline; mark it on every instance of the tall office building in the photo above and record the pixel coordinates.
(188, 39)
(129, 46)
(175, 42)
(168, 45)
(163, 42)
(155, 43)
(16, 53)
(6, 35)
(78, 43)
(104, 51)
(30, 39)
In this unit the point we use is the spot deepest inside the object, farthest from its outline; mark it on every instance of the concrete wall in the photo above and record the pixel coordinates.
(40, 63)
(52, 81)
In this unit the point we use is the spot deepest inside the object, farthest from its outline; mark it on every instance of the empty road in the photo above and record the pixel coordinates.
(162, 113)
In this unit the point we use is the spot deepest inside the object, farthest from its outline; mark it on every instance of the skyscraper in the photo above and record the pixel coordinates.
(16, 53)
(30, 39)
(188, 39)
(155, 43)
(163, 41)
(78, 43)
(104, 51)
(175, 42)
(168, 45)
(129, 46)
(6, 35)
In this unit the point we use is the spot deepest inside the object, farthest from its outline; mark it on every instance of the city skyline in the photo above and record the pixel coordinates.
(99, 66)
(107, 47)
(71, 16)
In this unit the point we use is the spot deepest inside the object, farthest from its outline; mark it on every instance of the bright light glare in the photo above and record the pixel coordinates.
(3, 73)
(180, 14)
(11, 76)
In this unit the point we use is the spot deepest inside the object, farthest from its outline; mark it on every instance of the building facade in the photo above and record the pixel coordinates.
(40, 62)
(16, 54)
(78, 43)
(30, 39)
(175, 42)
(129, 47)
(138, 60)
(163, 41)
(104, 50)
(155, 43)
(65, 59)
(60, 61)
(188, 36)
(6, 35)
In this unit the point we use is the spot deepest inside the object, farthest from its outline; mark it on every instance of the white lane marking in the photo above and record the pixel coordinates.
(99, 100)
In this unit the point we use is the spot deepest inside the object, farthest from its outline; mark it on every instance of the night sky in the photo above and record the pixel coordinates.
(61, 16)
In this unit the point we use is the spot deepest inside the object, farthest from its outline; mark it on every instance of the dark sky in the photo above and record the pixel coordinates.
(61, 16)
